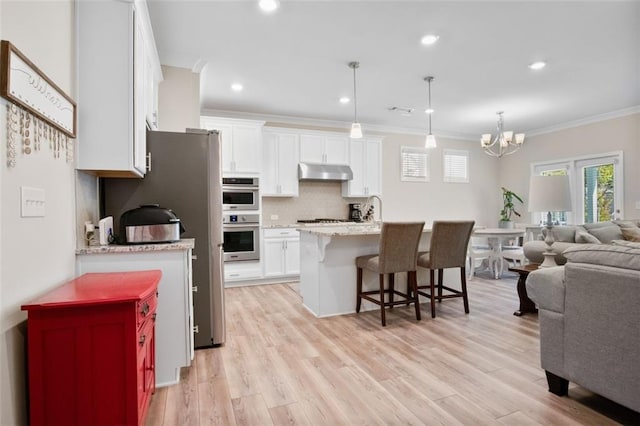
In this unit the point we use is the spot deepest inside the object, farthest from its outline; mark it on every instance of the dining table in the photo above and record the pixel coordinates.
(496, 238)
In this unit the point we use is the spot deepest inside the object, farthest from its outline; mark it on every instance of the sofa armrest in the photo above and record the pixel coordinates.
(546, 288)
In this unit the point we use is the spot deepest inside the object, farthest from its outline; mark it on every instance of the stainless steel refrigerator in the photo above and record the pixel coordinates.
(185, 176)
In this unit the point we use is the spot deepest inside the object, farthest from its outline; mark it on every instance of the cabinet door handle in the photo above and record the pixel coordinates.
(148, 161)
(142, 339)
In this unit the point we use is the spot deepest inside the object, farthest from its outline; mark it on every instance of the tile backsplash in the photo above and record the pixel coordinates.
(321, 199)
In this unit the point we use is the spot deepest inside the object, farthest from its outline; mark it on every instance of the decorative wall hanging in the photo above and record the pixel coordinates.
(39, 111)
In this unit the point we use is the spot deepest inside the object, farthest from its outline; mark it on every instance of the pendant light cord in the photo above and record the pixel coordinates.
(430, 110)
(355, 97)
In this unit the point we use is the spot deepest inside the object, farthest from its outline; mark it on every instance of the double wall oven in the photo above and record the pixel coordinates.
(241, 220)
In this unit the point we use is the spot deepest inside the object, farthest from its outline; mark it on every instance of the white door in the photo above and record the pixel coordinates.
(273, 257)
(269, 183)
(288, 155)
(246, 148)
(373, 176)
(337, 150)
(292, 257)
(357, 155)
(311, 149)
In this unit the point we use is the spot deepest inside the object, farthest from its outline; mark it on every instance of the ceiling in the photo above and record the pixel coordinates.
(294, 62)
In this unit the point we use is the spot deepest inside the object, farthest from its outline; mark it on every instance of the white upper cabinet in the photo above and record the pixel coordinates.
(279, 164)
(116, 60)
(241, 144)
(319, 147)
(366, 163)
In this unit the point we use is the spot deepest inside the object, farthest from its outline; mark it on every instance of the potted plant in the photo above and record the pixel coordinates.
(508, 208)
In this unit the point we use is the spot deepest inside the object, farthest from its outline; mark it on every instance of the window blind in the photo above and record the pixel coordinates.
(456, 166)
(415, 164)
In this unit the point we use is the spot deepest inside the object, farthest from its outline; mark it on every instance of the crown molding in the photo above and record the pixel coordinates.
(335, 124)
(584, 121)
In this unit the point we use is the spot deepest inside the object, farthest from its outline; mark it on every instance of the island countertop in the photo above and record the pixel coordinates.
(187, 243)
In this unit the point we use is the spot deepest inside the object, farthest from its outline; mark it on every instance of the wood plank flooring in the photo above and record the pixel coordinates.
(283, 366)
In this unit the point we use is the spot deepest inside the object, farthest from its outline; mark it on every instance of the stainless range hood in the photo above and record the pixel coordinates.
(310, 171)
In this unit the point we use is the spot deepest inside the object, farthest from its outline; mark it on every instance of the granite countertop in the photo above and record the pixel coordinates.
(349, 230)
(314, 225)
(187, 243)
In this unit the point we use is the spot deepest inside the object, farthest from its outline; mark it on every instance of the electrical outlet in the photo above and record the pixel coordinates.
(274, 217)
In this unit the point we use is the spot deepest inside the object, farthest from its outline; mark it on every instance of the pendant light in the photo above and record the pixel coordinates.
(356, 129)
(430, 142)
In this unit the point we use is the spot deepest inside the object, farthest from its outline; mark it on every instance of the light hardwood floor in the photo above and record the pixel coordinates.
(281, 365)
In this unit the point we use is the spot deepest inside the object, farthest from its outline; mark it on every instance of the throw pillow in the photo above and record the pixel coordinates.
(631, 234)
(606, 234)
(583, 237)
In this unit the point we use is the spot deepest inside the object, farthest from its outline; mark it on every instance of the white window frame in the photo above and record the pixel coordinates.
(457, 153)
(574, 170)
(421, 155)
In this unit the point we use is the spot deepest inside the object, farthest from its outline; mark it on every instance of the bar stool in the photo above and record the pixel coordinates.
(398, 252)
(448, 249)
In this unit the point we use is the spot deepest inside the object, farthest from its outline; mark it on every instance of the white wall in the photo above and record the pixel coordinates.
(618, 134)
(480, 199)
(37, 254)
(179, 100)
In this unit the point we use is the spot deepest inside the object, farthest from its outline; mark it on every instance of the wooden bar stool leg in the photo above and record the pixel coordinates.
(440, 277)
(382, 313)
(465, 298)
(359, 290)
(412, 282)
(391, 288)
(432, 293)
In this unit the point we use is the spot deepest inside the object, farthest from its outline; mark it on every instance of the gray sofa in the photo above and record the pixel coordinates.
(590, 321)
(589, 233)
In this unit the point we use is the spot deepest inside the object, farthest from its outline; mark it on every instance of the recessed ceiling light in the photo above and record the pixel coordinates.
(429, 39)
(236, 87)
(429, 111)
(538, 65)
(344, 100)
(268, 5)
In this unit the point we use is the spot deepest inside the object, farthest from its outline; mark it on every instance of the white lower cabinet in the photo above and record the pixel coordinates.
(235, 273)
(281, 252)
(174, 321)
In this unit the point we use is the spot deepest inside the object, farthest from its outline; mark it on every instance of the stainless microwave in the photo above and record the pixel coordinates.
(240, 193)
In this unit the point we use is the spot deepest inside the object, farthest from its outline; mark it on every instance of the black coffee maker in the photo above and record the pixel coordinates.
(355, 212)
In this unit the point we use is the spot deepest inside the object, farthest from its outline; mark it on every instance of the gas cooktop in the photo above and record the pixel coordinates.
(324, 220)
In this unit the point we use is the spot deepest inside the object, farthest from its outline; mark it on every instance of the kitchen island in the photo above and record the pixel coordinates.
(328, 267)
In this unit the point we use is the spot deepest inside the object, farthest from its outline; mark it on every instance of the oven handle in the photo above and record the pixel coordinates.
(235, 227)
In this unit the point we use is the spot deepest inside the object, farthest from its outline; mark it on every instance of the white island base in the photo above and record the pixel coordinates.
(328, 268)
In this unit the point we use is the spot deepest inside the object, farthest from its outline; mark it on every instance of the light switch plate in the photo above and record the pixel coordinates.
(32, 202)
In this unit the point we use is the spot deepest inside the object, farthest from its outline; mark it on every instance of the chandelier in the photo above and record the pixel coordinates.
(503, 143)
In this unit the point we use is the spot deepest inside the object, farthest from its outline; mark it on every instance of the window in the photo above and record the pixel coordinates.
(596, 187)
(415, 164)
(456, 166)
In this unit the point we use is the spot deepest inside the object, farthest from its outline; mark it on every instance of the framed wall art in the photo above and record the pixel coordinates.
(24, 84)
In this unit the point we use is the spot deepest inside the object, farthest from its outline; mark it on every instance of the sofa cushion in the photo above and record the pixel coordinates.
(626, 243)
(631, 234)
(596, 225)
(606, 234)
(634, 223)
(565, 234)
(603, 254)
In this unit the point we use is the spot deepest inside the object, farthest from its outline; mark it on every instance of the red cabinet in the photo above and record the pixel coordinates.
(91, 349)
